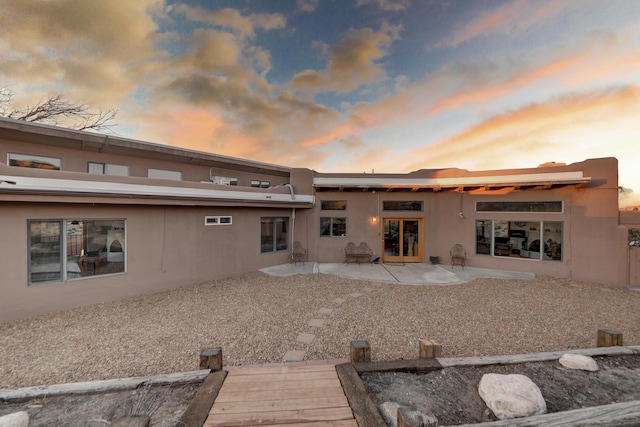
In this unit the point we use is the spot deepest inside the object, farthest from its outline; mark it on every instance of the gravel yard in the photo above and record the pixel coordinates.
(257, 318)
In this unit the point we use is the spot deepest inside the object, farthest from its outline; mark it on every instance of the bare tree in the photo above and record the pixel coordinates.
(55, 110)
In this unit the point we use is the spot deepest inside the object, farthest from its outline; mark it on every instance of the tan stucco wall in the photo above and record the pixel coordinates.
(594, 244)
(168, 244)
(74, 160)
(166, 247)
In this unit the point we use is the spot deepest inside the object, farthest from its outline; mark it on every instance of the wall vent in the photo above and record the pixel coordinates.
(224, 180)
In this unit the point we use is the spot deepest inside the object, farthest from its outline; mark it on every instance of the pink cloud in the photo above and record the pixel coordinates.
(510, 16)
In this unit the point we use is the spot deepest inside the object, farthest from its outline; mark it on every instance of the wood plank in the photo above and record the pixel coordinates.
(411, 365)
(198, 410)
(341, 423)
(364, 410)
(257, 370)
(248, 406)
(101, 386)
(283, 417)
(263, 386)
(535, 357)
(230, 395)
(595, 415)
(301, 376)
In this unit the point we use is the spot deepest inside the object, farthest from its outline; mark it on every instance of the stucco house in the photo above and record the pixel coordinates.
(88, 218)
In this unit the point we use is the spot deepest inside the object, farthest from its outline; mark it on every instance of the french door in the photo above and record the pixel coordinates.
(402, 240)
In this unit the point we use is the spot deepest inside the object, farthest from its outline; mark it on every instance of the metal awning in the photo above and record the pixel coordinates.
(26, 185)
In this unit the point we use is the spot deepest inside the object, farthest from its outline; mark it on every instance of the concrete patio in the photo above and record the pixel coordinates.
(410, 274)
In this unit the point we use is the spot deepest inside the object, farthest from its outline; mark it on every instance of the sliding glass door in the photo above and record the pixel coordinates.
(402, 240)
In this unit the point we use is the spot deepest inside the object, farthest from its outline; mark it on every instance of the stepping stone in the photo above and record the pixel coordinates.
(338, 301)
(367, 289)
(356, 294)
(316, 323)
(325, 310)
(305, 338)
(294, 356)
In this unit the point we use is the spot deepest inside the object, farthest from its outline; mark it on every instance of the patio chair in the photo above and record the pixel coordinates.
(458, 255)
(299, 253)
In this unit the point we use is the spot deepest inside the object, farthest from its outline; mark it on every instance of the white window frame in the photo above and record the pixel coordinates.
(218, 220)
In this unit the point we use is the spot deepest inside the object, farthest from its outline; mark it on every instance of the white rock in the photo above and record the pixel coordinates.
(511, 396)
(17, 419)
(389, 411)
(578, 361)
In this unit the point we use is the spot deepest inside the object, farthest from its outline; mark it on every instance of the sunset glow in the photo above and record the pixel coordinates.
(346, 86)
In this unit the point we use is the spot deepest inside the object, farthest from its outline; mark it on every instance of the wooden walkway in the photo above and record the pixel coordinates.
(281, 396)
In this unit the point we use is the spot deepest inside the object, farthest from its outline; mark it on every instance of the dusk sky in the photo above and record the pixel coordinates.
(346, 86)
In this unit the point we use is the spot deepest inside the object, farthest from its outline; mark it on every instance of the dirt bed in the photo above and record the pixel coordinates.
(451, 394)
(163, 404)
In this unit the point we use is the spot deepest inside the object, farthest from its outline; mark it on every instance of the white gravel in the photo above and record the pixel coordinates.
(256, 319)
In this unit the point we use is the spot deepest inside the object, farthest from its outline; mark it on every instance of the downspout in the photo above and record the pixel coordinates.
(293, 196)
(293, 228)
(293, 216)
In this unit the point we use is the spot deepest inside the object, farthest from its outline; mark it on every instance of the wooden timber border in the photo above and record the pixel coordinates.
(367, 414)
(364, 409)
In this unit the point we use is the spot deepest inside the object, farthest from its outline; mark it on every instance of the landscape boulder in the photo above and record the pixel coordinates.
(511, 396)
(17, 419)
(389, 411)
(578, 361)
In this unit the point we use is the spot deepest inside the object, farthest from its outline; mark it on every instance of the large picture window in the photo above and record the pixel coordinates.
(62, 250)
(333, 227)
(541, 240)
(274, 234)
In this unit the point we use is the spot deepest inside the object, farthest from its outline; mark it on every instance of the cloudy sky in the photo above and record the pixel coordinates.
(346, 85)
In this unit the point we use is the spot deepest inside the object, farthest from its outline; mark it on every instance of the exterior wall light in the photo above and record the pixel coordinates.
(374, 219)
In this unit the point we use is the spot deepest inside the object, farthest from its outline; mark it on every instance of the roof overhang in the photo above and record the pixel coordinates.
(532, 180)
(96, 190)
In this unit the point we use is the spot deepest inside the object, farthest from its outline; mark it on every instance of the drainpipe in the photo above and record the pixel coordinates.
(293, 228)
(293, 196)
(293, 215)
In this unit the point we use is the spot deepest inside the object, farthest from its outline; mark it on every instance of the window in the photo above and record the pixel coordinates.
(31, 161)
(217, 220)
(107, 169)
(333, 227)
(333, 205)
(62, 250)
(402, 205)
(544, 206)
(260, 184)
(541, 240)
(274, 234)
(165, 174)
